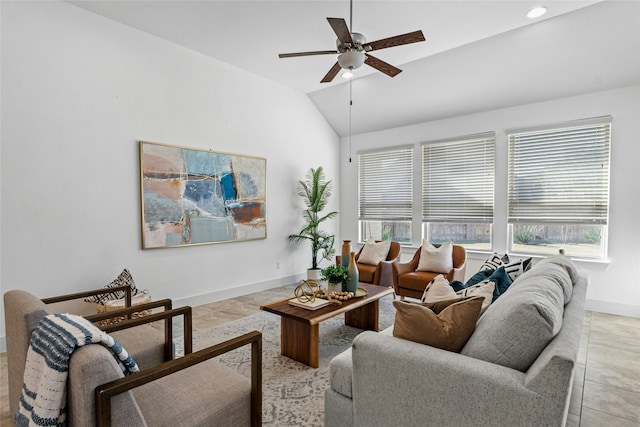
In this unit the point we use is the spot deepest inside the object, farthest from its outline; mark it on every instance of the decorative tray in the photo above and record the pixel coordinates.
(360, 292)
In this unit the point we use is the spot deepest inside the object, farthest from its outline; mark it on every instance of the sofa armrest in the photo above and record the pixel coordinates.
(426, 383)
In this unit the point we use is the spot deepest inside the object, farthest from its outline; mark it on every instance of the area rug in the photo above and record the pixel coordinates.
(293, 393)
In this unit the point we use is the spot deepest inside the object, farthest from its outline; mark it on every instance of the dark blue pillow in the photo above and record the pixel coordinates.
(480, 276)
(457, 285)
(502, 280)
(499, 276)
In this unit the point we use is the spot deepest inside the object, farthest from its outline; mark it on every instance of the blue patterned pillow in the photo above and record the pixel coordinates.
(124, 278)
(516, 268)
(495, 261)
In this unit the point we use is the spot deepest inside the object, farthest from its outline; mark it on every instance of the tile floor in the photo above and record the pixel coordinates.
(606, 387)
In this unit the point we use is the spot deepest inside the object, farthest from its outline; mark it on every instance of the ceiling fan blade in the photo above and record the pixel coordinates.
(408, 38)
(382, 66)
(331, 74)
(316, 52)
(339, 26)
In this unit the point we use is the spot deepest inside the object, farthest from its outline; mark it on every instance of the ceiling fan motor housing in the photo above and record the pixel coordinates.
(358, 43)
(352, 55)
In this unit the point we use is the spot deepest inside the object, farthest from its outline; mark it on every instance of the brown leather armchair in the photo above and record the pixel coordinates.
(407, 282)
(381, 273)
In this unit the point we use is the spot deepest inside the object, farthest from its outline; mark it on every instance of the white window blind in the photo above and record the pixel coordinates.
(560, 175)
(385, 181)
(458, 180)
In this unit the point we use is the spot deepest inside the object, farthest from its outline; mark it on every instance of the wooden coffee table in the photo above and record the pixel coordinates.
(299, 326)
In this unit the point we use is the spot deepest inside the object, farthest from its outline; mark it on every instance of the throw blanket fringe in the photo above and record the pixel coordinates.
(44, 393)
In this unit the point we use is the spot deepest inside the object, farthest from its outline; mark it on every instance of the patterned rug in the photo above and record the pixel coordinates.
(293, 393)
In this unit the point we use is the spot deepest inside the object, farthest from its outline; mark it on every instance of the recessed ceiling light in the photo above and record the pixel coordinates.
(537, 12)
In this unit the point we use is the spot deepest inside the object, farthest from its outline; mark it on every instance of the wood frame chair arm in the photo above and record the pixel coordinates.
(163, 303)
(166, 316)
(94, 292)
(105, 392)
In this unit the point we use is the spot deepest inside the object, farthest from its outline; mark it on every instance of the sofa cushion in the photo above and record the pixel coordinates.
(438, 290)
(520, 324)
(563, 270)
(448, 327)
(372, 252)
(438, 260)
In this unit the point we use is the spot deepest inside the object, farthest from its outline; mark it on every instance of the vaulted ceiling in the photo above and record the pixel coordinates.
(478, 55)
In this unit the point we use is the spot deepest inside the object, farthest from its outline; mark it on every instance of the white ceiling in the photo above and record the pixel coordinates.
(479, 55)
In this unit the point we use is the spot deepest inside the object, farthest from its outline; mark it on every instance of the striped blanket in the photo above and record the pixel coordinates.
(43, 400)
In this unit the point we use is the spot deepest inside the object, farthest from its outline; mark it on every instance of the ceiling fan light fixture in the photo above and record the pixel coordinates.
(536, 12)
(351, 59)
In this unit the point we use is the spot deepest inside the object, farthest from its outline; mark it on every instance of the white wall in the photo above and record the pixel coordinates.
(78, 92)
(615, 286)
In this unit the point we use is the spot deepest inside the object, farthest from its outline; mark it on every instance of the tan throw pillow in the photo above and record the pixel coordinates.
(449, 330)
(437, 260)
(438, 290)
(372, 252)
(483, 289)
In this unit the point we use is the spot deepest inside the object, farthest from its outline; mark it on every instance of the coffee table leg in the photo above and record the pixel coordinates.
(365, 317)
(299, 341)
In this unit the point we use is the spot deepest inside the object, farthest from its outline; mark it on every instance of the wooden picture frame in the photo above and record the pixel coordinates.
(193, 196)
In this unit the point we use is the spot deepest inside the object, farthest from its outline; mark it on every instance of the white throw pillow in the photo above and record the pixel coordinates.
(438, 290)
(483, 289)
(372, 252)
(437, 260)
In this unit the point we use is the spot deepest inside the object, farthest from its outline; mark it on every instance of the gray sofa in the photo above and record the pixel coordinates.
(517, 368)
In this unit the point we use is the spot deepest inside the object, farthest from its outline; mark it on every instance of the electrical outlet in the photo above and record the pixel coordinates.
(278, 264)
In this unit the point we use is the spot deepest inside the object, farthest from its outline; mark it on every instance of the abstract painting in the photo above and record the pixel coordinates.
(196, 197)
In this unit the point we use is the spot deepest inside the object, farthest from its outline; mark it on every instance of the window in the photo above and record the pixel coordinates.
(457, 190)
(559, 188)
(385, 185)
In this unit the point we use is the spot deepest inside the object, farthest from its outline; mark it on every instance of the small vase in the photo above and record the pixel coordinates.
(352, 283)
(346, 250)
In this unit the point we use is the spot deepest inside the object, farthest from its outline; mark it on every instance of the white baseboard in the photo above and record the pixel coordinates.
(237, 291)
(627, 310)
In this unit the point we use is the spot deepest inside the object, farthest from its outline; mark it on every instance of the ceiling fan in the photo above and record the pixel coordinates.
(353, 49)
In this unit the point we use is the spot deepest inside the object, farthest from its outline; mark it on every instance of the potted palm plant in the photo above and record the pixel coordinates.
(315, 191)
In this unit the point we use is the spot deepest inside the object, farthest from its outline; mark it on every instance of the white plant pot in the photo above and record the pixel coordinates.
(313, 274)
(331, 287)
